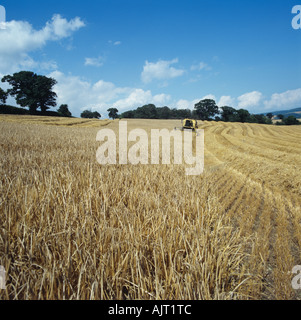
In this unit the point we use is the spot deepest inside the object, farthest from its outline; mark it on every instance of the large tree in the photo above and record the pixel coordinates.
(113, 113)
(206, 109)
(244, 115)
(32, 90)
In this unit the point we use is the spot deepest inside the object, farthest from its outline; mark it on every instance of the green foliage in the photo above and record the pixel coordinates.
(164, 113)
(206, 109)
(88, 114)
(128, 114)
(228, 114)
(150, 111)
(64, 111)
(32, 90)
(147, 112)
(113, 113)
(291, 120)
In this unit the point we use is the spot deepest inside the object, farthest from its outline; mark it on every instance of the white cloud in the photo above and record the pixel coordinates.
(160, 70)
(249, 100)
(284, 100)
(80, 95)
(20, 38)
(209, 96)
(183, 104)
(95, 62)
(60, 28)
(226, 101)
(186, 104)
(139, 97)
(200, 66)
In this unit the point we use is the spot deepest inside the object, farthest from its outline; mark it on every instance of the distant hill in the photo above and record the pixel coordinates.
(292, 112)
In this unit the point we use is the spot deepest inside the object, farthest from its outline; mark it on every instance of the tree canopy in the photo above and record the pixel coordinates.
(150, 111)
(113, 113)
(88, 114)
(206, 109)
(64, 111)
(32, 90)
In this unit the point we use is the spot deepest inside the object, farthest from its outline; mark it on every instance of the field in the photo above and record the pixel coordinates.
(73, 229)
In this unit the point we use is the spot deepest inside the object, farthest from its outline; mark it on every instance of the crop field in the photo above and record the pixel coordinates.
(71, 228)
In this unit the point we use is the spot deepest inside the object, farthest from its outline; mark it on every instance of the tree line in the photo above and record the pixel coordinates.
(205, 110)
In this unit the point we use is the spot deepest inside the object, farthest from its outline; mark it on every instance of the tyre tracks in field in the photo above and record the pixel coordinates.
(266, 213)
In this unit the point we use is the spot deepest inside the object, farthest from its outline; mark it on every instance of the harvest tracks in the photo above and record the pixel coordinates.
(259, 184)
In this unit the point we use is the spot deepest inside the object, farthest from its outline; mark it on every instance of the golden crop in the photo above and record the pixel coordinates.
(73, 229)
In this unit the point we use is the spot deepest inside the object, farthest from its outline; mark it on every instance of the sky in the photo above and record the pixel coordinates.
(128, 53)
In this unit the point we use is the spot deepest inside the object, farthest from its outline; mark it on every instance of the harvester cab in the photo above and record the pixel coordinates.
(188, 124)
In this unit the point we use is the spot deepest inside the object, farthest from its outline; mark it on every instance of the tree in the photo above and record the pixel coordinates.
(290, 120)
(206, 109)
(88, 114)
(46, 98)
(164, 113)
(148, 111)
(64, 111)
(228, 114)
(32, 90)
(243, 115)
(281, 116)
(260, 118)
(113, 113)
(96, 115)
(182, 113)
(128, 114)
(270, 115)
(3, 96)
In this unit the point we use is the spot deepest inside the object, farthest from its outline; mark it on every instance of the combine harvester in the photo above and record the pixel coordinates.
(188, 124)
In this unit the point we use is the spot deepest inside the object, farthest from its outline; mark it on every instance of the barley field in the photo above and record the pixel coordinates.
(73, 229)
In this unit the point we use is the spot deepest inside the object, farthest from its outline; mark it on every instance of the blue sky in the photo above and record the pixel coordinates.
(127, 53)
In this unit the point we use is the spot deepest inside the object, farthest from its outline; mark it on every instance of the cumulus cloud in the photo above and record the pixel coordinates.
(139, 97)
(186, 104)
(80, 95)
(209, 96)
(161, 70)
(284, 100)
(95, 62)
(226, 101)
(20, 38)
(249, 100)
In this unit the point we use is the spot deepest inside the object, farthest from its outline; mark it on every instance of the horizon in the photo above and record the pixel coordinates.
(126, 54)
